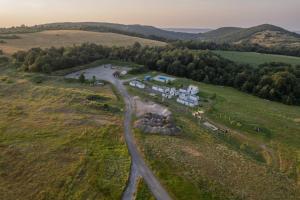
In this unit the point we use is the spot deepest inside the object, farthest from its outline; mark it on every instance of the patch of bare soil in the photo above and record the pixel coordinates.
(142, 107)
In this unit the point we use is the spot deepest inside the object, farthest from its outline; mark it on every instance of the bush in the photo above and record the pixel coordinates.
(97, 98)
(3, 59)
(138, 70)
(38, 79)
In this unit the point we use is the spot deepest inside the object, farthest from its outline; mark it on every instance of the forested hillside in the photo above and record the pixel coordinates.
(274, 81)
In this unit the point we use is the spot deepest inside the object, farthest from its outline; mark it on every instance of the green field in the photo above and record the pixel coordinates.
(59, 38)
(202, 165)
(59, 139)
(257, 58)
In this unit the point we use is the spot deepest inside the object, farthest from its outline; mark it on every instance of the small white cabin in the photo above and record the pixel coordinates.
(158, 89)
(167, 95)
(188, 100)
(123, 73)
(137, 84)
(193, 90)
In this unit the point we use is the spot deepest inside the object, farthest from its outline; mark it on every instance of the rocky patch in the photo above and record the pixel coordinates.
(157, 124)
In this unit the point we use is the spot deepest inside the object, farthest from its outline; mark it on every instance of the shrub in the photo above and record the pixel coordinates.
(38, 79)
(138, 70)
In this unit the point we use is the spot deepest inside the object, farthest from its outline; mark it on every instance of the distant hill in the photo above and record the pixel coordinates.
(264, 35)
(132, 30)
(188, 30)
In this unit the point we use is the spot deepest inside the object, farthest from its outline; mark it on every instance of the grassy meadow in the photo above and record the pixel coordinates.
(60, 140)
(199, 164)
(257, 58)
(59, 38)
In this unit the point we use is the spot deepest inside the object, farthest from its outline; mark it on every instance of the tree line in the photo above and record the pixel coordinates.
(273, 81)
(242, 47)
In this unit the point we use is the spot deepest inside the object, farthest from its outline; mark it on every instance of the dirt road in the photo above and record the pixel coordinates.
(105, 73)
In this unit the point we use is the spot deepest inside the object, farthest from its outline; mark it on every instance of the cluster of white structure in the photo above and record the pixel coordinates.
(137, 84)
(186, 97)
(189, 96)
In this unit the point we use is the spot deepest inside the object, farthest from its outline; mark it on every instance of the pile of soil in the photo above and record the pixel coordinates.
(157, 124)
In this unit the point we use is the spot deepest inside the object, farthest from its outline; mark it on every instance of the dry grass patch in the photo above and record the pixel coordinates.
(54, 146)
(59, 38)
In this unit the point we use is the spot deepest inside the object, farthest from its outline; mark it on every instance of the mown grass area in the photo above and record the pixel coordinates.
(143, 192)
(257, 58)
(56, 144)
(59, 38)
(201, 165)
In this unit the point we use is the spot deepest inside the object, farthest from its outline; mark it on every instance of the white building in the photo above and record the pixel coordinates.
(123, 73)
(188, 100)
(137, 84)
(174, 92)
(193, 90)
(182, 91)
(186, 97)
(167, 95)
(158, 88)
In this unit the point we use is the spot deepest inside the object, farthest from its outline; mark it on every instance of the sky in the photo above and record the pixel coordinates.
(160, 13)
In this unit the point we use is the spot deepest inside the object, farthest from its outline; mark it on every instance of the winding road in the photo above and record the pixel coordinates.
(138, 163)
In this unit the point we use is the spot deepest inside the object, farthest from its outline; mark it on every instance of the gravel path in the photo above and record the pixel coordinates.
(158, 191)
(130, 191)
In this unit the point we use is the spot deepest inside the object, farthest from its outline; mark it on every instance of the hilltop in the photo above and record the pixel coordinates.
(265, 35)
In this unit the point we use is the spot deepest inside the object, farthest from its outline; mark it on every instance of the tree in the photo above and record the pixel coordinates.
(137, 45)
(82, 78)
(94, 80)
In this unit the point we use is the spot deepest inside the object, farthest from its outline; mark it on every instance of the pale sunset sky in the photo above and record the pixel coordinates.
(160, 13)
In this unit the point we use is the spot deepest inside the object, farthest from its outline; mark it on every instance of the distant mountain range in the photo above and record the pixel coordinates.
(266, 35)
(188, 30)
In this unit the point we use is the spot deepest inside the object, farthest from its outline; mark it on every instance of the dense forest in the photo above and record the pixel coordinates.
(273, 81)
(243, 47)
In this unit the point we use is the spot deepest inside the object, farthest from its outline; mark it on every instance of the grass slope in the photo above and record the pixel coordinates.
(46, 39)
(257, 58)
(57, 144)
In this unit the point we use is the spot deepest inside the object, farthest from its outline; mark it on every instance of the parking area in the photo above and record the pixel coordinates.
(104, 72)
